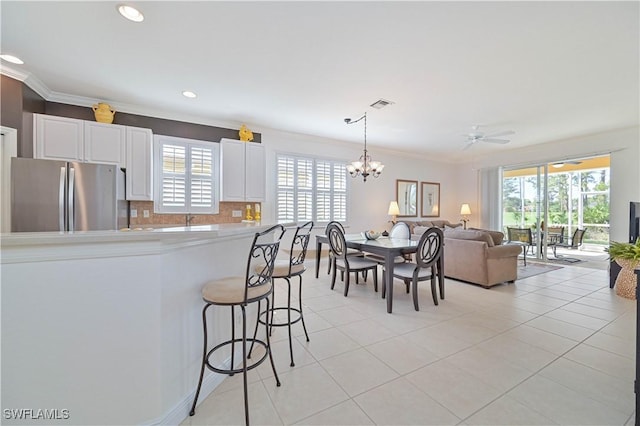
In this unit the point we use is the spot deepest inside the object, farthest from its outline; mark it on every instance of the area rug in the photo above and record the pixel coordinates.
(535, 269)
(566, 260)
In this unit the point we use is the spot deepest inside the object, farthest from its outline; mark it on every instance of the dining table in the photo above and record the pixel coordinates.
(386, 247)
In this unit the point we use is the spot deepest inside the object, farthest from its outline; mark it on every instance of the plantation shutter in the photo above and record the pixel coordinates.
(310, 189)
(187, 181)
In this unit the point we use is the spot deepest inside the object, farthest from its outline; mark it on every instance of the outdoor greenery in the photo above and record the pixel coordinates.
(520, 202)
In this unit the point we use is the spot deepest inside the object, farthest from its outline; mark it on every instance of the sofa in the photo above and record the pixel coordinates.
(417, 228)
(478, 256)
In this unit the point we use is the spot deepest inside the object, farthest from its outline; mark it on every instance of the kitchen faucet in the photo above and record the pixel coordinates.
(188, 218)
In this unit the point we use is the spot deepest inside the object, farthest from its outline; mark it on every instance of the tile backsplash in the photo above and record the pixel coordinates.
(224, 216)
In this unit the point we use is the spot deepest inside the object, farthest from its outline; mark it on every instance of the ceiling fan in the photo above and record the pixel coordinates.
(477, 136)
(561, 164)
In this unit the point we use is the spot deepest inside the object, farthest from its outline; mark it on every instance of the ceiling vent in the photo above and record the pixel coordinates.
(381, 103)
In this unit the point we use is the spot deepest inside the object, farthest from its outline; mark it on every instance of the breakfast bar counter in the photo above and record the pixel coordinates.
(107, 324)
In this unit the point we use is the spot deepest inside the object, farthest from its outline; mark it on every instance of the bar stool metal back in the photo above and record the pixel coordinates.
(286, 269)
(255, 286)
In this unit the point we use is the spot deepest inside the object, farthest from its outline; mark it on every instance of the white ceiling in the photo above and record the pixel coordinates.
(547, 70)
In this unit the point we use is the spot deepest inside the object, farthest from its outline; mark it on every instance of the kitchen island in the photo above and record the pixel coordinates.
(107, 324)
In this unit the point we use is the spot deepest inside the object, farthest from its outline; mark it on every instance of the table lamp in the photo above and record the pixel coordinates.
(394, 211)
(465, 211)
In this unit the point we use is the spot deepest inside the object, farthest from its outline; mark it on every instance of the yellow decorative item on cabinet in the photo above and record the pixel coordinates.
(104, 113)
(257, 214)
(248, 214)
(246, 135)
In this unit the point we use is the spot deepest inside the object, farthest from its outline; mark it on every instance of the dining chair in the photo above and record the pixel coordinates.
(399, 230)
(522, 237)
(345, 263)
(350, 251)
(429, 251)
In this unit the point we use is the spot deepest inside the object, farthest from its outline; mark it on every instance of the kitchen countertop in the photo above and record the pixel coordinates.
(37, 246)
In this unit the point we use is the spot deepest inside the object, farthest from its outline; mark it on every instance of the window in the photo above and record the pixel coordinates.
(310, 189)
(186, 178)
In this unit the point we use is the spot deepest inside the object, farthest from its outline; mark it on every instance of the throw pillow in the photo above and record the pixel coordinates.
(469, 234)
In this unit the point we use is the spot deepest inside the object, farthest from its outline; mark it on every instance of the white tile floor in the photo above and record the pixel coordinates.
(556, 348)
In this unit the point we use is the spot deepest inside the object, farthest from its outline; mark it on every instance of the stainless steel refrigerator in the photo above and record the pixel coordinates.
(51, 195)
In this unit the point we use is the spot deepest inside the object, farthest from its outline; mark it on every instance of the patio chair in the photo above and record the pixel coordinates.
(576, 241)
(522, 237)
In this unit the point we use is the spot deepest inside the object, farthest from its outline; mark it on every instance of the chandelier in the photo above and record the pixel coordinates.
(365, 166)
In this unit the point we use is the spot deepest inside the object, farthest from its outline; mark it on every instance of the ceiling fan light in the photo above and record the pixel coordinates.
(557, 165)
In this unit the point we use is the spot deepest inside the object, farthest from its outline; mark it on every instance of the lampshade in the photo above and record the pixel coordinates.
(465, 209)
(394, 209)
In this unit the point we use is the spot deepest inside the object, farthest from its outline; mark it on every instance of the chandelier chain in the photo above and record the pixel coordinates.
(365, 166)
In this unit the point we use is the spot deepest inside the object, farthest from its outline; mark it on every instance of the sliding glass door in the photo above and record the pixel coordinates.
(559, 197)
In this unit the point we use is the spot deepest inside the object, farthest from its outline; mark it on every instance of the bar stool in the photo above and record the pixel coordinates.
(255, 286)
(286, 269)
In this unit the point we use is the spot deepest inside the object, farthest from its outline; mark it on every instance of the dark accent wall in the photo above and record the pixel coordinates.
(158, 126)
(31, 103)
(11, 105)
(18, 103)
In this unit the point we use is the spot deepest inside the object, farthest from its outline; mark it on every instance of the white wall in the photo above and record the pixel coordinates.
(369, 201)
(623, 144)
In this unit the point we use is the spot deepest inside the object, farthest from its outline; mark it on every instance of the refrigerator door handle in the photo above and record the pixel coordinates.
(70, 211)
(63, 178)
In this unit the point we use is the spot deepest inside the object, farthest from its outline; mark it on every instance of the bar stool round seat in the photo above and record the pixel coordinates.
(255, 286)
(230, 291)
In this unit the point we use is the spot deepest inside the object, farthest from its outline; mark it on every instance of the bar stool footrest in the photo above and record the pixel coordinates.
(233, 371)
(282, 324)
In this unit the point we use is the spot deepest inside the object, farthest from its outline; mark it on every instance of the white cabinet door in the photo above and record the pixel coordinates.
(58, 138)
(104, 143)
(232, 170)
(254, 172)
(139, 164)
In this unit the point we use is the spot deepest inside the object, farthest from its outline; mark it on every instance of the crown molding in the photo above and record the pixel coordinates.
(84, 101)
(27, 78)
(50, 96)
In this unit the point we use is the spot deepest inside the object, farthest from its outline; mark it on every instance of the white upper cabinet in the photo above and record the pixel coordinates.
(58, 138)
(242, 171)
(69, 139)
(254, 172)
(104, 143)
(139, 164)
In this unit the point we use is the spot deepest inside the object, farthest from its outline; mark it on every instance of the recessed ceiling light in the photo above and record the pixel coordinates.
(12, 59)
(131, 13)
(188, 94)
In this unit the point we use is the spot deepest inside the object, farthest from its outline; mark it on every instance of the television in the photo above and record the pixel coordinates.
(634, 221)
